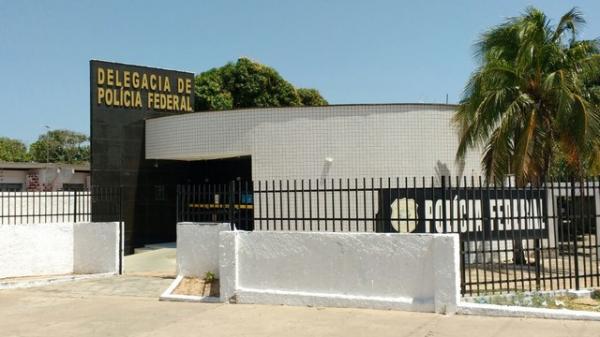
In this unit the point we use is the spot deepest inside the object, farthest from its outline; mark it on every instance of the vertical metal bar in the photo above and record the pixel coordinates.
(537, 225)
(121, 230)
(75, 206)
(588, 233)
(595, 189)
(484, 234)
(387, 210)
(231, 202)
(287, 201)
(405, 206)
(274, 205)
(364, 193)
(355, 200)
(575, 238)
(348, 201)
(555, 229)
(499, 220)
(303, 209)
(333, 191)
(295, 206)
(373, 217)
(310, 190)
(318, 181)
(280, 192)
(415, 210)
(325, 202)
(260, 203)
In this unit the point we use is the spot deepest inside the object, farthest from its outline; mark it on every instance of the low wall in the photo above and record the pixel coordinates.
(96, 247)
(198, 247)
(59, 248)
(414, 272)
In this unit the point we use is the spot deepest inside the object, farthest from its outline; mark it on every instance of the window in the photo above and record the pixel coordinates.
(73, 187)
(8, 187)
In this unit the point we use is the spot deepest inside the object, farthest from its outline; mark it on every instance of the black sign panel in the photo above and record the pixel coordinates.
(475, 213)
(121, 98)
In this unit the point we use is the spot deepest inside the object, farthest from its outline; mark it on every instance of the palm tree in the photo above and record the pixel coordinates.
(534, 93)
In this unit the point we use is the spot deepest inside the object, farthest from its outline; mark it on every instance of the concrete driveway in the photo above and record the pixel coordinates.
(154, 260)
(128, 306)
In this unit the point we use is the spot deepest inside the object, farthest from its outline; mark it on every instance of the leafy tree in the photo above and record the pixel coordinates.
(61, 146)
(248, 84)
(311, 97)
(534, 99)
(12, 150)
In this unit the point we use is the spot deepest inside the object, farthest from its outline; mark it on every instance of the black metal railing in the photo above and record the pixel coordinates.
(541, 236)
(103, 203)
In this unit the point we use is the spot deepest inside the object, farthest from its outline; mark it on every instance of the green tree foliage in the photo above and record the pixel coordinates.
(61, 146)
(248, 84)
(533, 102)
(12, 150)
(311, 97)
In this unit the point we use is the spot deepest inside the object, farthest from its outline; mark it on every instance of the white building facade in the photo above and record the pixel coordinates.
(337, 141)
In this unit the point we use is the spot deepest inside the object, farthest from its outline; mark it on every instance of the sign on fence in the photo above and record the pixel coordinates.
(475, 213)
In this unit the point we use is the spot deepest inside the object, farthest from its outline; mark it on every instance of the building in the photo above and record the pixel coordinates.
(336, 141)
(30, 177)
(145, 140)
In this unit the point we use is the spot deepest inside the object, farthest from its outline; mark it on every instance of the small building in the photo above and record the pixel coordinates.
(31, 177)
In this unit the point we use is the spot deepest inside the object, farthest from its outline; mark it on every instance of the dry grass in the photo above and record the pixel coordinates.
(197, 287)
(584, 304)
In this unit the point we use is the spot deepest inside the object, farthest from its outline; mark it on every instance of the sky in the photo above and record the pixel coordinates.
(351, 51)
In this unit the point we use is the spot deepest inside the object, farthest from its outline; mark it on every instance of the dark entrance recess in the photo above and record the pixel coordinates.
(155, 212)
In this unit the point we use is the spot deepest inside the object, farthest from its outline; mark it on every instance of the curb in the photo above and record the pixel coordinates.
(525, 312)
(168, 295)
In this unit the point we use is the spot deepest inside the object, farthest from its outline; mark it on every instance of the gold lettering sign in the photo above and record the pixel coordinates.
(143, 89)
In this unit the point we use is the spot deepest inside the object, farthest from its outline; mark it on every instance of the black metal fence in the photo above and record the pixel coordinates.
(231, 202)
(61, 206)
(513, 238)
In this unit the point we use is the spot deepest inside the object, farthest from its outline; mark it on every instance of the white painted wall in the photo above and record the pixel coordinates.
(382, 140)
(415, 272)
(36, 249)
(58, 248)
(198, 247)
(96, 247)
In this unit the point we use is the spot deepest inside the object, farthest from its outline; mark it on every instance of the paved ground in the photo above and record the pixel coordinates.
(155, 260)
(128, 306)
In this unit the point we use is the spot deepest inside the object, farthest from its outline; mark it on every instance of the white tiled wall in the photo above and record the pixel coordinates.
(387, 140)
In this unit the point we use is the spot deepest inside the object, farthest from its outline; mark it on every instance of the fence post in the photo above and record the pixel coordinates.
(444, 217)
(75, 206)
(121, 230)
(571, 223)
(232, 204)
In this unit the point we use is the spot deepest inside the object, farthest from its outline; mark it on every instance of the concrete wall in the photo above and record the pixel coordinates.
(96, 247)
(384, 140)
(36, 249)
(58, 248)
(415, 272)
(198, 247)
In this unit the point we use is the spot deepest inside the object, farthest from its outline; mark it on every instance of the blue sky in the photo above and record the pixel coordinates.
(353, 52)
